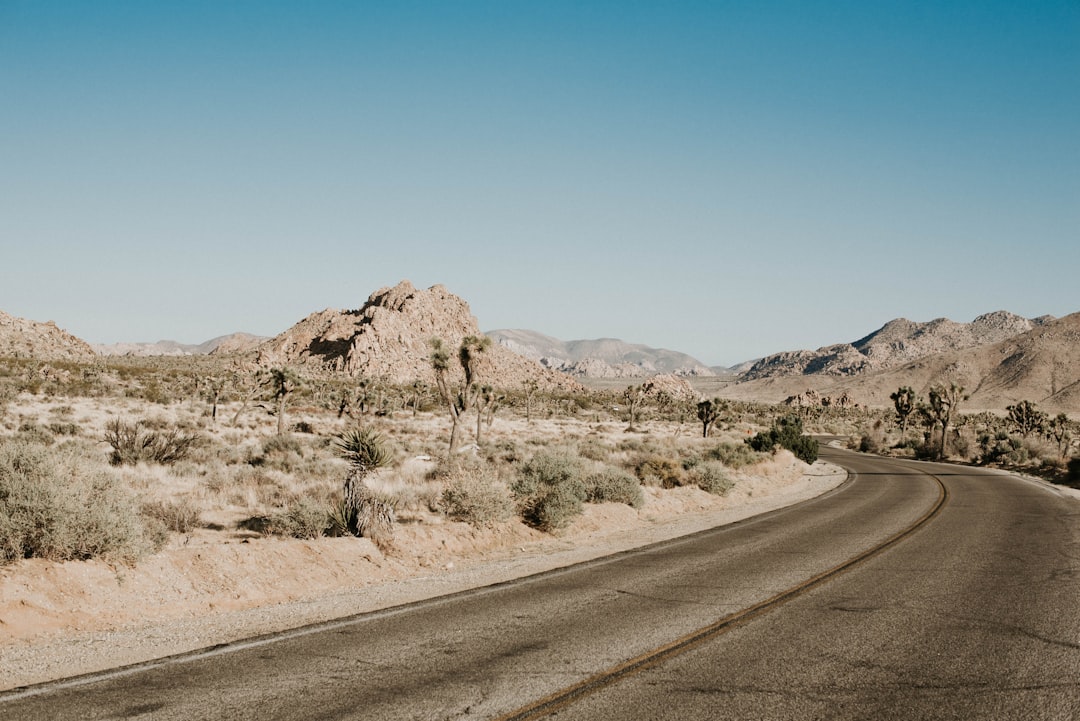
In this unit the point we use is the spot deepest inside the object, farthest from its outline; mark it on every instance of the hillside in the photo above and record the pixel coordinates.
(601, 358)
(22, 338)
(390, 337)
(897, 343)
(1041, 365)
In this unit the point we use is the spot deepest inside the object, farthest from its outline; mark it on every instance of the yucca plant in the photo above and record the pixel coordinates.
(364, 450)
(361, 511)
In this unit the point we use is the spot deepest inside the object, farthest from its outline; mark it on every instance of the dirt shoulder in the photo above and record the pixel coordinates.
(64, 619)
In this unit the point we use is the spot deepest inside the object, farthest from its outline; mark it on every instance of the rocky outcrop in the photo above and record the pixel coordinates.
(600, 358)
(672, 386)
(897, 343)
(22, 338)
(390, 338)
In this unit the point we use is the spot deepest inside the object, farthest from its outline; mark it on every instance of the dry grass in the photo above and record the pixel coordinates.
(240, 473)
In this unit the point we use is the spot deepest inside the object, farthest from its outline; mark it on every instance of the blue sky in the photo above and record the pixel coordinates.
(727, 179)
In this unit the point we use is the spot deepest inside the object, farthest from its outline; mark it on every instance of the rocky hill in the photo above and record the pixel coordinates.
(22, 338)
(896, 343)
(232, 343)
(602, 358)
(1041, 365)
(390, 337)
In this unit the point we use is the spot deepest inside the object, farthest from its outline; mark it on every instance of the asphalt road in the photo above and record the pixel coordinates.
(972, 615)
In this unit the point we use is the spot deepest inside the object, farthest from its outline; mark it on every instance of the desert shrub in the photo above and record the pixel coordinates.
(33, 434)
(549, 489)
(868, 444)
(594, 450)
(304, 518)
(53, 507)
(710, 476)
(1001, 448)
(1073, 474)
(734, 455)
(133, 442)
(367, 515)
(787, 433)
(659, 470)
(61, 428)
(179, 516)
(478, 499)
(614, 485)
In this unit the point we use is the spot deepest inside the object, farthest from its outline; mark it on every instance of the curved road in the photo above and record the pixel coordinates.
(974, 614)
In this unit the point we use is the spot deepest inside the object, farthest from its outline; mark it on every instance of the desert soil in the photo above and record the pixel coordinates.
(63, 619)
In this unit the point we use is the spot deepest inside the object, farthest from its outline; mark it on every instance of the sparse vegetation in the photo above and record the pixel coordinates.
(786, 433)
(134, 442)
(55, 506)
(477, 498)
(614, 485)
(550, 489)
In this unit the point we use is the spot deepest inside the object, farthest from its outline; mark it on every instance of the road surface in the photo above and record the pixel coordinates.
(914, 591)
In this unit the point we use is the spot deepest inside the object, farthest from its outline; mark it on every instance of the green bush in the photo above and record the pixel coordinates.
(786, 433)
(478, 499)
(711, 476)
(549, 489)
(614, 485)
(52, 507)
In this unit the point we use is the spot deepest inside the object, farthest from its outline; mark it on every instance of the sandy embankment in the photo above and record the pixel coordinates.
(63, 619)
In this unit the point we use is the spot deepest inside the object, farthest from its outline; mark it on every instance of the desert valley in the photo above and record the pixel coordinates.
(161, 497)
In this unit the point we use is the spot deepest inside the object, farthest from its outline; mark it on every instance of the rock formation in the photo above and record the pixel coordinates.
(22, 338)
(390, 338)
(896, 343)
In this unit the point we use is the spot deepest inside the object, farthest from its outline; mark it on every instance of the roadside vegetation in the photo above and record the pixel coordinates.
(1022, 439)
(123, 457)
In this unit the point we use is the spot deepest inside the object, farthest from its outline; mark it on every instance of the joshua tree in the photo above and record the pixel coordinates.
(215, 387)
(283, 381)
(1060, 430)
(944, 402)
(1027, 418)
(362, 512)
(633, 396)
(457, 404)
(530, 386)
(708, 412)
(487, 401)
(905, 402)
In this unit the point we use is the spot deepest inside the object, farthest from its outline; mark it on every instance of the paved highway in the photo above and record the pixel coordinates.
(914, 591)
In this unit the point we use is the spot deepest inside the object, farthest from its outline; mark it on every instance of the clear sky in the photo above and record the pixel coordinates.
(727, 179)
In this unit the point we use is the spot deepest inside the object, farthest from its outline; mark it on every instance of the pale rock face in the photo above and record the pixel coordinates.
(22, 338)
(390, 338)
(674, 386)
(896, 343)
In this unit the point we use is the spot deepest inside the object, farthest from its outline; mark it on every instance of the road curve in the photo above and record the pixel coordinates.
(974, 615)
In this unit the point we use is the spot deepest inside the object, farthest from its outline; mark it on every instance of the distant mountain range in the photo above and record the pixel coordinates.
(232, 343)
(1000, 358)
(602, 358)
(898, 342)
